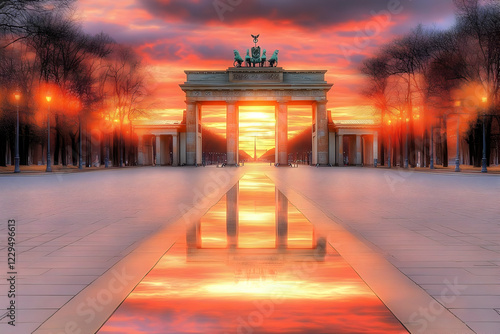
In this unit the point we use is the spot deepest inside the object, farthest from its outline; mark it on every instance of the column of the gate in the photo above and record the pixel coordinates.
(232, 133)
(281, 151)
(192, 131)
(321, 132)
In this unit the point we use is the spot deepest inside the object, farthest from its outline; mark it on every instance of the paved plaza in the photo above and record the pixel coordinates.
(428, 244)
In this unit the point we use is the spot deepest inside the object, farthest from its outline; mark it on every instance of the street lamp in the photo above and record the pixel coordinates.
(431, 164)
(80, 148)
(17, 96)
(406, 144)
(457, 159)
(483, 167)
(49, 167)
(106, 159)
(389, 122)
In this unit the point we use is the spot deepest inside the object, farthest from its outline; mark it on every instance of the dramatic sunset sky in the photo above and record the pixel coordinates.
(336, 35)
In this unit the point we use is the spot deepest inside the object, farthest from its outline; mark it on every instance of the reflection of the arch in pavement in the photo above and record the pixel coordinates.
(254, 219)
(252, 264)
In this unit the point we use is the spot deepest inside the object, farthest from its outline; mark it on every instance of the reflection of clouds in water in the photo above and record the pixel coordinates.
(214, 290)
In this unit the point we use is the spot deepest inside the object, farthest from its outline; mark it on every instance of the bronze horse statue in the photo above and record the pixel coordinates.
(237, 59)
(263, 59)
(273, 62)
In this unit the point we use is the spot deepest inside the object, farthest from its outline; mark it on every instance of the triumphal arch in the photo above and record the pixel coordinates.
(262, 86)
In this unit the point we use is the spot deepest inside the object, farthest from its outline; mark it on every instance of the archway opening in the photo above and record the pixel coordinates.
(257, 133)
(300, 134)
(213, 125)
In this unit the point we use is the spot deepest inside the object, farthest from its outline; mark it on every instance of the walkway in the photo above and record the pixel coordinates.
(440, 230)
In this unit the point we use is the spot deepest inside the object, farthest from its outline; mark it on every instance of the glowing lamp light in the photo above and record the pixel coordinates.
(49, 98)
(389, 122)
(17, 96)
(458, 103)
(484, 99)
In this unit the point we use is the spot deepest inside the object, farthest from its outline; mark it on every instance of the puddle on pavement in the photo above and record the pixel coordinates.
(252, 264)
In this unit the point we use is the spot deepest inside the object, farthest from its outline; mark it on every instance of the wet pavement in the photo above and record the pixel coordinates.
(252, 264)
(428, 245)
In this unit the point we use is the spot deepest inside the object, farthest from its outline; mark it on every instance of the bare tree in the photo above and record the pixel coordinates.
(17, 73)
(14, 15)
(376, 70)
(479, 28)
(69, 58)
(409, 57)
(126, 79)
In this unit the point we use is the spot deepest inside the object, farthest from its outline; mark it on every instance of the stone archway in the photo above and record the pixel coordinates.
(266, 86)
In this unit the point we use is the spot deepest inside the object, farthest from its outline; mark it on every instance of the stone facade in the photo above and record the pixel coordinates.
(266, 86)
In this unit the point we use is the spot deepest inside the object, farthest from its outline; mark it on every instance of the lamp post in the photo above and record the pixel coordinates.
(431, 163)
(457, 159)
(80, 149)
(122, 149)
(389, 122)
(109, 130)
(49, 167)
(483, 165)
(106, 159)
(406, 144)
(17, 96)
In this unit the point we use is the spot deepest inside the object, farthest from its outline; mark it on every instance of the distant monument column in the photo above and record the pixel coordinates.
(232, 133)
(192, 125)
(281, 152)
(232, 216)
(322, 132)
(375, 149)
(281, 220)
